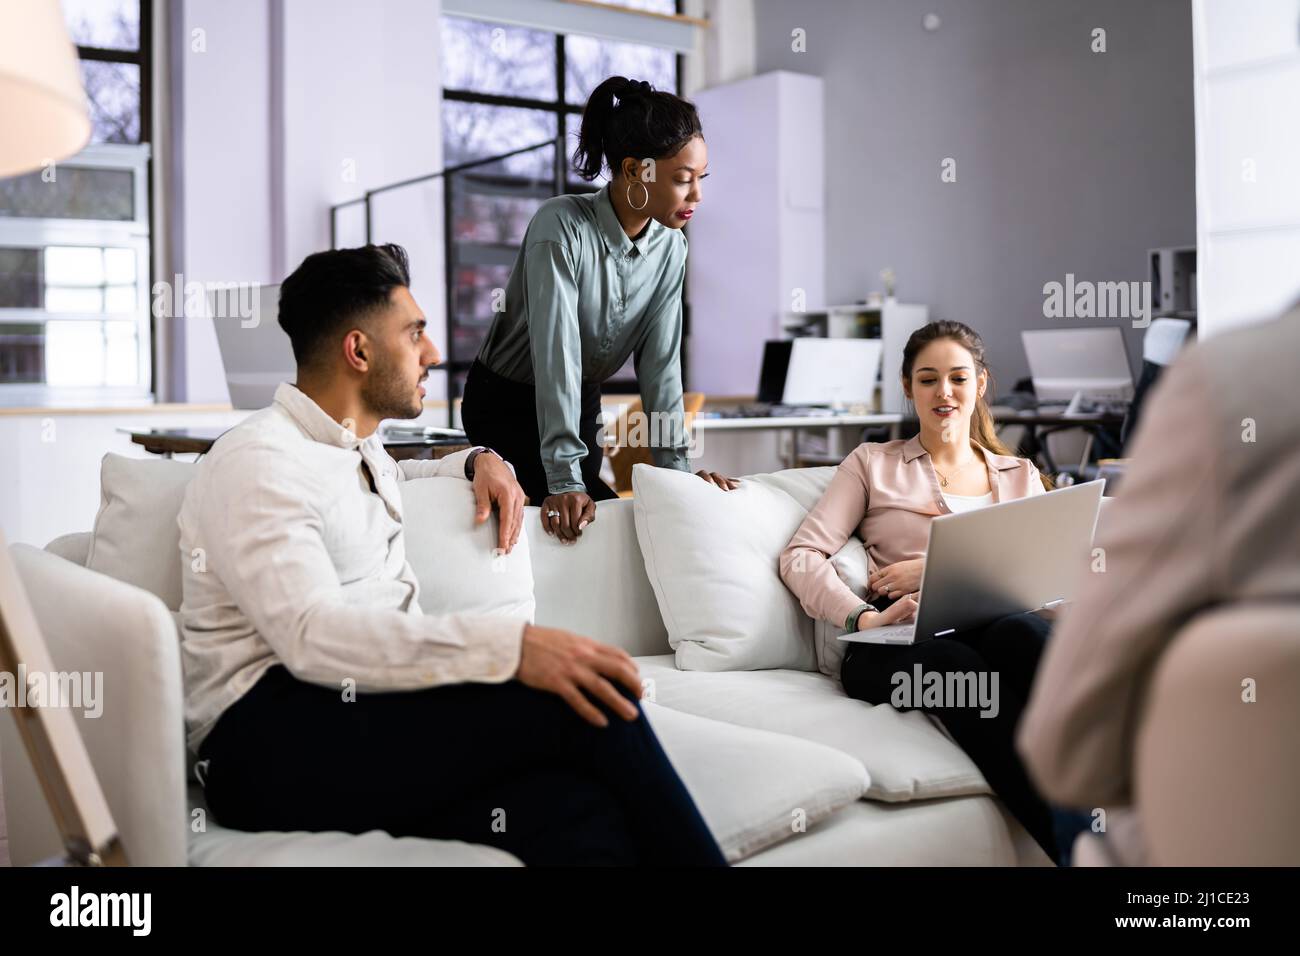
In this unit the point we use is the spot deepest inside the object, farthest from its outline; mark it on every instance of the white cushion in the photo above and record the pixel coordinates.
(804, 485)
(214, 845)
(907, 755)
(459, 564)
(597, 587)
(754, 788)
(853, 565)
(136, 538)
(711, 557)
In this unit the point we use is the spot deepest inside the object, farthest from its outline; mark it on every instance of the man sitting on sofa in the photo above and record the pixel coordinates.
(317, 694)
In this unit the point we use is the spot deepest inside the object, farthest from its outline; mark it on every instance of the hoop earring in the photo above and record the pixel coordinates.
(645, 203)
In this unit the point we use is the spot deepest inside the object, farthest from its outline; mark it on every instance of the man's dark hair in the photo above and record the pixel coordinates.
(331, 291)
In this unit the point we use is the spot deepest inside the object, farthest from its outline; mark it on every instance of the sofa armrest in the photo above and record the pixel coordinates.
(72, 547)
(1216, 780)
(121, 641)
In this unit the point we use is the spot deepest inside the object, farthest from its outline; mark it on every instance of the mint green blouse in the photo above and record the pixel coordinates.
(581, 298)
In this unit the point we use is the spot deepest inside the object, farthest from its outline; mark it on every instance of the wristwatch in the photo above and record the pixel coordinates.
(851, 622)
(469, 460)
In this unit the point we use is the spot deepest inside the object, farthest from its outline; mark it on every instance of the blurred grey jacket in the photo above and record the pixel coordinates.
(1207, 515)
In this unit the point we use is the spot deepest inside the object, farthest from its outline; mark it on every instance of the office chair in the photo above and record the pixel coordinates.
(623, 457)
(1160, 346)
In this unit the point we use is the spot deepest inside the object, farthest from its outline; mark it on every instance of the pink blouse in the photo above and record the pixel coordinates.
(886, 493)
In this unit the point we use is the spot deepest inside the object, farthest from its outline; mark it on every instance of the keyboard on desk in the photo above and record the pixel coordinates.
(777, 411)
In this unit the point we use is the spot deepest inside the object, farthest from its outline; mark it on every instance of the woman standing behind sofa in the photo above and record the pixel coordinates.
(597, 279)
(887, 493)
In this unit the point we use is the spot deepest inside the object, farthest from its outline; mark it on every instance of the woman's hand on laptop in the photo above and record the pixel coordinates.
(495, 487)
(901, 611)
(573, 667)
(898, 579)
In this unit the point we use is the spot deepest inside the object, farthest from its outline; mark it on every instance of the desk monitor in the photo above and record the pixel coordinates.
(776, 364)
(255, 351)
(1065, 362)
(833, 372)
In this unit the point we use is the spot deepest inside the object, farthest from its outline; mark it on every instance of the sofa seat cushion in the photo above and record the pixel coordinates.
(960, 831)
(755, 788)
(214, 845)
(907, 755)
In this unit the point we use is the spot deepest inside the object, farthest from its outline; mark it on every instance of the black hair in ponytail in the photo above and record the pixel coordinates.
(625, 118)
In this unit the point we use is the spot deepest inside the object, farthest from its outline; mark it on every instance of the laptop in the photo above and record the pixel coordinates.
(257, 356)
(255, 351)
(1001, 559)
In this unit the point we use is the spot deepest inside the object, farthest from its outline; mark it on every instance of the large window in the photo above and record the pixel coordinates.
(506, 88)
(74, 236)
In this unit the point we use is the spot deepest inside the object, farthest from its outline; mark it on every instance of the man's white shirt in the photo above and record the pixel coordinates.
(289, 557)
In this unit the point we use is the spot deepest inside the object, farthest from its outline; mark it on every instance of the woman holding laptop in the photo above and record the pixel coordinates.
(887, 493)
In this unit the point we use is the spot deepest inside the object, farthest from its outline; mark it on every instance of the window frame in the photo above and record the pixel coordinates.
(135, 234)
(142, 57)
(562, 181)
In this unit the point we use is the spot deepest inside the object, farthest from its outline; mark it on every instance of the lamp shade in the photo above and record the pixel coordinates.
(43, 114)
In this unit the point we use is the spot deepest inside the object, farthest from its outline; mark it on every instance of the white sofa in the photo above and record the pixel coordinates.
(786, 769)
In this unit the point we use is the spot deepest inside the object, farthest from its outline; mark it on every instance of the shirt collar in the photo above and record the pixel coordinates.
(913, 449)
(612, 232)
(312, 419)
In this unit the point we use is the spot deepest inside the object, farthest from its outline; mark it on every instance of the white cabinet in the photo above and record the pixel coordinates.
(757, 243)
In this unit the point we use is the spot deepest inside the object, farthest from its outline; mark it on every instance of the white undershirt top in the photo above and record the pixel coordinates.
(960, 503)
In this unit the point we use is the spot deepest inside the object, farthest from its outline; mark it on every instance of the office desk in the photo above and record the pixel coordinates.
(178, 441)
(800, 421)
(1007, 416)
(1102, 426)
(796, 423)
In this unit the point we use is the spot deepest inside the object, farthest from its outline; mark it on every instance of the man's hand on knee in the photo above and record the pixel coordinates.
(573, 666)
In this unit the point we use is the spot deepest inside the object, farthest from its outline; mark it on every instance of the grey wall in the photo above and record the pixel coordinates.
(1067, 160)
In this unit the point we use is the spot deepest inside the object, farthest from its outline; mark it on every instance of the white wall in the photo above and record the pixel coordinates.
(293, 106)
(52, 487)
(221, 226)
(760, 231)
(270, 97)
(1247, 58)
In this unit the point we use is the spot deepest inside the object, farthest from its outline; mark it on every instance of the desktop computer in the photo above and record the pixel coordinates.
(815, 376)
(1079, 366)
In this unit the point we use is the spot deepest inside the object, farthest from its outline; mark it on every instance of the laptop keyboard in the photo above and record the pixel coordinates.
(892, 634)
